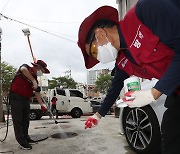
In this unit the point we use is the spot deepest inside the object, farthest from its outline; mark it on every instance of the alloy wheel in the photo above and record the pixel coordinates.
(138, 128)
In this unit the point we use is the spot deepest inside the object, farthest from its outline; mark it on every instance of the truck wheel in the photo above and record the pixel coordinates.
(76, 113)
(142, 130)
(33, 115)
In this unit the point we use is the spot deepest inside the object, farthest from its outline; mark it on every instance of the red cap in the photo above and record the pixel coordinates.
(41, 64)
(104, 12)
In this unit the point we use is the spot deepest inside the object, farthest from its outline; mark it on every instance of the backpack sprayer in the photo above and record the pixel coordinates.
(26, 32)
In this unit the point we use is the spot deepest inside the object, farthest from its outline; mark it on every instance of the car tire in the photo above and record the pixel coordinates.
(40, 114)
(142, 130)
(76, 113)
(33, 115)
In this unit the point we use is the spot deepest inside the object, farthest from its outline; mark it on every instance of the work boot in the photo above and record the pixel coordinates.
(26, 146)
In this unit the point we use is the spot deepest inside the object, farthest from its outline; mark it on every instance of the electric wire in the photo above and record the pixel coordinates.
(5, 6)
(8, 18)
(46, 21)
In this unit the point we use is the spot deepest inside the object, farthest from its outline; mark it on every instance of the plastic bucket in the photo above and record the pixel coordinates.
(132, 83)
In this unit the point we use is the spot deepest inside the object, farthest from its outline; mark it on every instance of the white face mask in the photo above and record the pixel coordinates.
(39, 73)
(107, 53)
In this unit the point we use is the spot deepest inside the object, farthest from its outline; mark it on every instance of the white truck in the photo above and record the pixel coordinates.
(70, 101)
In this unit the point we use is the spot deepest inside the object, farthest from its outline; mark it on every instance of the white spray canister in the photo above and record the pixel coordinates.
(132, 83)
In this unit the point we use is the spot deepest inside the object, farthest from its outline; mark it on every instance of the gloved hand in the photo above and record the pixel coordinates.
(141, 98)
(121, 103)
(92, 121)
(35, 85)
(43, 108)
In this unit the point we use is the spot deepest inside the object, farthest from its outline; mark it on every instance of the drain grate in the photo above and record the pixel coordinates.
(64, 135)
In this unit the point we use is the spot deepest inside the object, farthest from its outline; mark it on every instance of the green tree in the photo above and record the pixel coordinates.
(62, 81)
(8, 73)
(103, 83)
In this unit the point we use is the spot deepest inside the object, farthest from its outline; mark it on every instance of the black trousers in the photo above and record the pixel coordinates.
(170, 126)
(20, 109)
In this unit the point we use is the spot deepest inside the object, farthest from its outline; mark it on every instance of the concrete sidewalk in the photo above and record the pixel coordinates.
(103, 139)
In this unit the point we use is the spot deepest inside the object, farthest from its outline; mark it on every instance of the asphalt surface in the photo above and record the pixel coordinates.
(72, 137)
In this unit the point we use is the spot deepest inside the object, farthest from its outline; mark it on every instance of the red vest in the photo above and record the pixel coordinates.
(21, 85)
(151, 55)
(54, 99)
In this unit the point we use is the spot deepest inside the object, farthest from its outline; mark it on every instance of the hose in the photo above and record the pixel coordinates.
(7, 123)
(7, 128)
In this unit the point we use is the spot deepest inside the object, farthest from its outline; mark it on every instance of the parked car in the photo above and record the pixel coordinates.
(35, 110)
(98, 99)
(96, 105)
(70, 101)
(141, 126)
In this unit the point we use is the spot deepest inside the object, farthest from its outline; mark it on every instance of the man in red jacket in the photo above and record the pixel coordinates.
(22, 87)
(146, 43)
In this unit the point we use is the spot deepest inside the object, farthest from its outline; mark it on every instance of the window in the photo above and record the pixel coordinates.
(76, 93)
(61, 92)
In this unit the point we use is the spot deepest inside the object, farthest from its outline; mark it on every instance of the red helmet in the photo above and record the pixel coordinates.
(41, 64)
(104, 12)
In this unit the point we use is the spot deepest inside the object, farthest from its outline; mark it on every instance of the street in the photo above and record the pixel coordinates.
(72, 137)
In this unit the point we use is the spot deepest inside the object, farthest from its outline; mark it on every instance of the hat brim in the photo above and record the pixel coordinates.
(46, 71)
(104, 12)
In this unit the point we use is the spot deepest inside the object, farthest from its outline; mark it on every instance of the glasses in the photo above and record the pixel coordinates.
(93, 48)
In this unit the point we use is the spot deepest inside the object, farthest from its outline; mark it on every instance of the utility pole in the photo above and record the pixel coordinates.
(1, 103)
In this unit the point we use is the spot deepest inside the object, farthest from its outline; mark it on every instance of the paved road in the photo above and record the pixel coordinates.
(103, 139)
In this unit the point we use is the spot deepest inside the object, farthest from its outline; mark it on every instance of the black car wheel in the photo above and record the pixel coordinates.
(142, 130)
(33, 115)
(76, 113)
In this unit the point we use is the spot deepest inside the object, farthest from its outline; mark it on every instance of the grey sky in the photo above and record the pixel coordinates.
(60, 17)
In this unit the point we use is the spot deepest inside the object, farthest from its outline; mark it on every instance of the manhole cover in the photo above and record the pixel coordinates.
(64, 135)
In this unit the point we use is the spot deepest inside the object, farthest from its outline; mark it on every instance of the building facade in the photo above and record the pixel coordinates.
(92, 75)
(124, 6)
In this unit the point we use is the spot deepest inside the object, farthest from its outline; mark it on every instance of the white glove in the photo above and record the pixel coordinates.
(34, 82)
(141, 98)
(120, 103)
